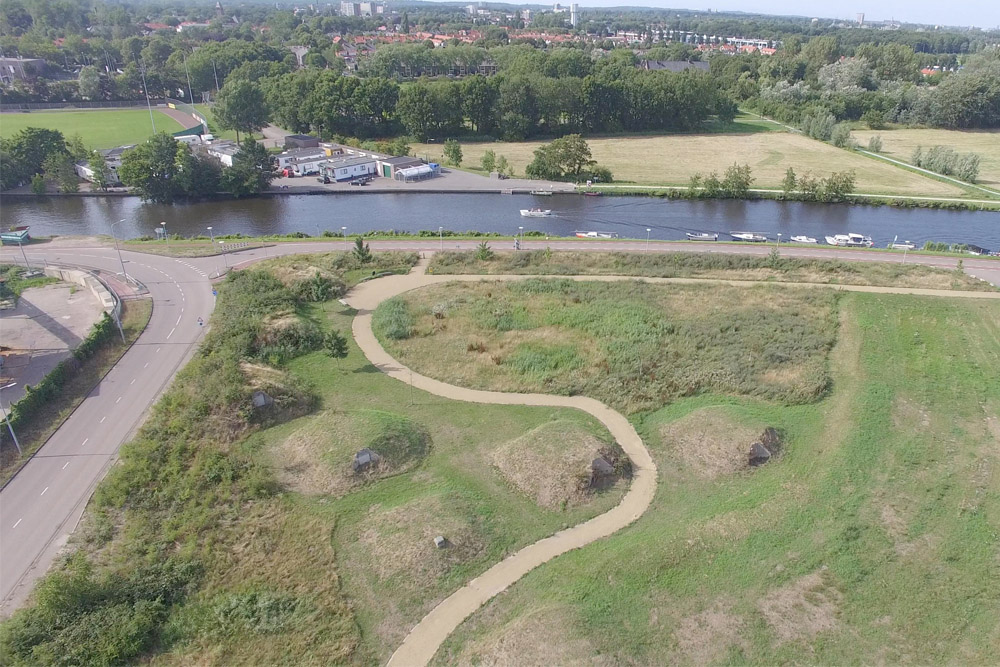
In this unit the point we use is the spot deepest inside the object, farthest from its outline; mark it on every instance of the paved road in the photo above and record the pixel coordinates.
(39, 508)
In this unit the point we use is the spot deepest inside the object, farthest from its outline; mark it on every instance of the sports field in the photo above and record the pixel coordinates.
(900, 144)
(673, 159)
(99, 128)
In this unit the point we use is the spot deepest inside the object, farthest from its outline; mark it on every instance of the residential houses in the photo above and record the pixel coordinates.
(112, 161)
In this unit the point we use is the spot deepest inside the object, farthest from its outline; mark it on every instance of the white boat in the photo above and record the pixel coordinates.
(542, 193)
(905, 245)
(803, 239)
(703, 237)
(850, 240)
(596, 235)
(753, 237)
(535, 212)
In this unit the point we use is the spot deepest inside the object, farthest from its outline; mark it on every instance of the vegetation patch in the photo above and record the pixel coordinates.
(709, 442)
(633, 345)
(801, 609)
(718, 266)
(552, 463)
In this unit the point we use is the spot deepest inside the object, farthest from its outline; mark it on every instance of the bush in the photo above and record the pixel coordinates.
(840, 136)
(392, 320)
(875, 144)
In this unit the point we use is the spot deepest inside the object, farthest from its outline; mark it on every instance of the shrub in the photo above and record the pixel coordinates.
(392, 320)
(875, 144)
(483, 252)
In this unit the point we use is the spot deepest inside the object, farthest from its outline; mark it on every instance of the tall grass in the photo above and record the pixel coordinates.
(392, 320)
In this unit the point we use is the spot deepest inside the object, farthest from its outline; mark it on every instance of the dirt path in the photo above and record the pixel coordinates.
(424, 639)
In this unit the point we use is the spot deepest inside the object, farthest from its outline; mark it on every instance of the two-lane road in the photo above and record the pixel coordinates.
(40, 507)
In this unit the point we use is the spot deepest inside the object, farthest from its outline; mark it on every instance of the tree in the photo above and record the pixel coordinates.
(503, 167)
(484, 252)
(788, 183)
(838, 185)
(489, 161)
(361, 251)
(59, 169)
(153, 169)
(875, 143)
(251, 173)
(38, 184)
(453, 152)
(335, 344)
(737, 180)
(566, 156)
(840, 136)
(415, 111)
(399, 147)
(99, 167)
(30, 147)
(90, 83)
(241, 106)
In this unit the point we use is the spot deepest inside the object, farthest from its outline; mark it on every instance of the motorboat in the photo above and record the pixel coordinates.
(752, 237)
(850, 240)
(803, 239)
(593, 194)
(702, 237)
(902, 245)
(542, 193)
(596, 235)
(535, 212)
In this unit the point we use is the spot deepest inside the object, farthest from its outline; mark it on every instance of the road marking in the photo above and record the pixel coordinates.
(118, 399)
(132, 382)
(171, 333)
(16, 524)
(85, 441)
(64, 465)
(44, 490)
(146, 365)
(157, 349)
(176, 323)
(102, 419)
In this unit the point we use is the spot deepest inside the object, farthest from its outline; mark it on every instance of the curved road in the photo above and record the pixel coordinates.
(40, 507)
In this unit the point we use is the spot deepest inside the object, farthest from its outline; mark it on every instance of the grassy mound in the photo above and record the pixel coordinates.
(709, 442)
(316, 458)
(551, 463)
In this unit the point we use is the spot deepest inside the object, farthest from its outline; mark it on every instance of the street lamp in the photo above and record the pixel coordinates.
(6, 418)
(212, 234)
(343, 230)
(120, 260)
(648, 230)
(778, 242)
(163, 226)
(225, 257)
(441, 236)
(520, 234)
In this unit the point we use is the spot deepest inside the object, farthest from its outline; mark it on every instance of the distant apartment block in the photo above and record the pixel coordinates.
(361, 8)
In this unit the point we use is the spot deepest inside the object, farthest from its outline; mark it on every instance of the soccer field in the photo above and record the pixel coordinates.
(99, 128)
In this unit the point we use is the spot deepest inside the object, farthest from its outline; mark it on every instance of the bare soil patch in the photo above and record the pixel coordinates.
(705, 637)
(909, 415)
(709, 442)
(551, 463)
(802, 609)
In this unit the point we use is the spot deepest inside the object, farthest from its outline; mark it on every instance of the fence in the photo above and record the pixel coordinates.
(201, 128)
(92, 104)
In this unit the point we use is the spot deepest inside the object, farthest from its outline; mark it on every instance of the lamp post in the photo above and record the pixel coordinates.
(163, 226)
(211, 234)
(441, 236)
(225, 257)
(648, 230)
(778, 242)
(343, 230)
(6, 418)
(117, 249)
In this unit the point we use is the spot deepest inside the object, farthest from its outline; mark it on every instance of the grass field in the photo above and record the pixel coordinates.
(98, 128)
(673, 159)
(705, 265)
(900, 144)
(872, 537)
(230, 536)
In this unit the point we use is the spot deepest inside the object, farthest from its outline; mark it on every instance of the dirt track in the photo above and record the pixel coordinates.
(184, 118)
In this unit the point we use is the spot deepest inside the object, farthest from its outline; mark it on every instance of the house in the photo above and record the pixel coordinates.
(304, 166)
(673, 65)
(389, 166)
(301, 141)
(20, 69)
(112, 161)
(348, 168)
(224, 151)
(285, 159)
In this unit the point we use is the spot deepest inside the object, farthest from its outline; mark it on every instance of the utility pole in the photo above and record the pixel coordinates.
(145, 90)
(188, 73)
(6, 418)
(120, 260)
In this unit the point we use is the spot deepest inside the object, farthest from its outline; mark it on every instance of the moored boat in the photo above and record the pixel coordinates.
(596, 235)
(704, 236)
(850, 240)
(535, 212)
(752, 237)
(542, 193)
(902, 245)
(803, 239)
(593, 194)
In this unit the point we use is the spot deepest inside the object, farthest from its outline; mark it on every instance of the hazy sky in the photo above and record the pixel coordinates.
(981, 13)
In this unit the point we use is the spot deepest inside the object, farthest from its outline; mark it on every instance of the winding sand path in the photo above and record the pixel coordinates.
(427, 636)
(424, 639)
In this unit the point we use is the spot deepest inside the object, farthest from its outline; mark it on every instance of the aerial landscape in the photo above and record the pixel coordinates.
(429, 333)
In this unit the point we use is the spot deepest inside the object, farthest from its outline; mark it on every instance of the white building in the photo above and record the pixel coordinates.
(348, 168)
(350, 9)
(224, 151)
(284, 160)
(306, 166)
(112, 161)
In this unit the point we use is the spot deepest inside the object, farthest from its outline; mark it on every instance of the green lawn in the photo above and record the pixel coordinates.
(873, 536)
(99, 128)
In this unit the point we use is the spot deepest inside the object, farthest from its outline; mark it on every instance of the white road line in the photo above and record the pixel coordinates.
(171, 333)
(43, 491)
(118, 399)
(64, 465)
(132, 382)
(146, 365)
(85, 441)
(176, 323)
(16, 524)
(102, 419)
(157, 349)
